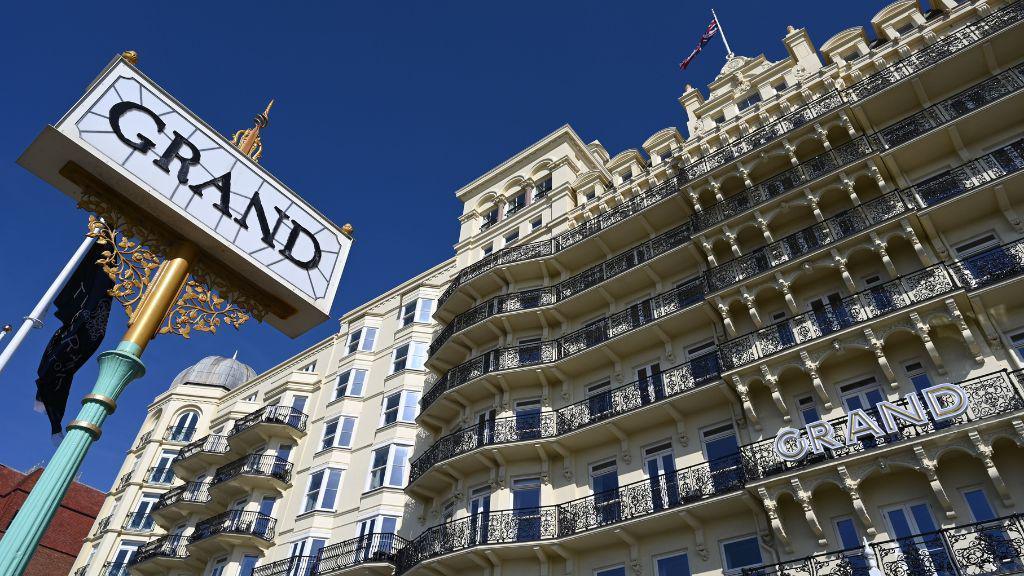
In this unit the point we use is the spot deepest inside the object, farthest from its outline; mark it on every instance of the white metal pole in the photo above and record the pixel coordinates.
(35, 318)
(721, 32)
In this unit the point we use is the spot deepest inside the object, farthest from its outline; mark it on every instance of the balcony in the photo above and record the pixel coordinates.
(989, 548)
(947, 46)
(268, 422)
(232, 528)
(810, 239)
(102, 525)
(138, 522)
(991, 167)
(200, 455)
(123, 481)
(630, 397)
(294, 566)
(988, 396)
(374, 548)
(182, 434)
(251, 473)
(114, 569)
(143, 440)
(991, 266)
(875, 302)
(161, 555)
(567, 288)
(159, 476)
(179, 502)
(511, 358)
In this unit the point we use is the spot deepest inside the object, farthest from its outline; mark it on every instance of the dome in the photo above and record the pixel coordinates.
(215, 371)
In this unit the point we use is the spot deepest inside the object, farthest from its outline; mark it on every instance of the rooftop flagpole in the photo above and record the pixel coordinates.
(721, 33)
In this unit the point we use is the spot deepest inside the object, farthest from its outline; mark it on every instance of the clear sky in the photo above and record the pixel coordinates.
(383, 110)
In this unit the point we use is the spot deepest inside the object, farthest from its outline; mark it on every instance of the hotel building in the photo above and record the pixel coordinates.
(595, 384)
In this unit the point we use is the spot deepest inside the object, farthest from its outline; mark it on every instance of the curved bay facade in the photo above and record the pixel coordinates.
(607, 377)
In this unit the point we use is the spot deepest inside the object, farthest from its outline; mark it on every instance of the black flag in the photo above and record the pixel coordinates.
(83, 307)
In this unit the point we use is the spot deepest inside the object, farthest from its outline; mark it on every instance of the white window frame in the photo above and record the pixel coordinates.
(339, 423)
(608, 569)
(389, 466)
(960, 253)
(318, 503)
(359, 343)
(351, 372)
(655, 559)
(308, 367)
(738, 569)
(406, 399)
(414, 349)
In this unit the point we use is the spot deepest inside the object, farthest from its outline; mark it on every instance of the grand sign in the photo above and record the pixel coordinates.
(165, 161)
(941, 402)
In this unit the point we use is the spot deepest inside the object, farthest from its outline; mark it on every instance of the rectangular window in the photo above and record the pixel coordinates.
(516, 204)
(388, 466)
(720, 119)
(418, 310)
(741, 553)
(627, 176)
(311, 367)
(749, 101)
(248, 565)
(511, 237)
(905, 28)
(672, 565)
(425, 309)
(322, 492)
(543, 187)
(488, 249)
(590, 196)
(808, 409)
(981, 509)
(338, 432)
(350, 383)
(976, 245)
(615, 571)
(852, 56)
(489, 219)
(400, 406)
(409, 356)
(362, 339)
(537, 223)
(781, 86)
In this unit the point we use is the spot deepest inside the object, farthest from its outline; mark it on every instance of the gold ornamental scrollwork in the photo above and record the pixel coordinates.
(205, 301)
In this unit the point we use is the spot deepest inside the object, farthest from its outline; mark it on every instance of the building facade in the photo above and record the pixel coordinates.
(790, 341)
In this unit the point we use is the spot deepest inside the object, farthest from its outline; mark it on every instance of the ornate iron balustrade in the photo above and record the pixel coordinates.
(493, 527)
(877, 301)
(988, 168)
(848, 562)
(124, 480)
(799, 175)
(196, 492)
(960, 104)
(81, 570)
(547, 351)
(212, 444)
(772, 131)
(294, 566)
(102, 524)
(138, 522)
(567, 288)
(697, 372)
(143, 439)
(991, 266)
(160, 475)
(925, 57)
(170, 546)
(255, 465)
(838, 227)
(375, 547)
(179, 433)
(115, 569)
(985, 548)
(235, 522)
(988, 395)
(272, 415)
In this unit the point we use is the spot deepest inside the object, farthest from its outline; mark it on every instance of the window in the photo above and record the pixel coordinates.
(389, 465)
(248, 565)
(311, 367)
(749, 101)
(362, 339)
(219, 565)
(409, 356)
(781, 86)
(627, 176)
(251, 397)
(489, 219)
(140, 520)
(741, 553)
(162, 473)
(720, 119)
(905, 28)
(488, 249)
(125, 554)
(604, 481)
(516, 204)
(338, 432)
(807, 408)
(350, 383)
(666, 155)
(1017, 341)
(184, 427)
(862, 394)
(543, 187)
(675, 564)
(305, 547)
(418, 310)
(400, 406)
(323, 488)
(918, 376)
(976, 245)
(981, 509)
(852, 56)
(425, 309)
(536, 223)
(511, 237)
(615, 571)
(590, 196)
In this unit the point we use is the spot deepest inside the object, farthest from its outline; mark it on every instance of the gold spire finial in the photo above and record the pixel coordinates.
(347, 230)
(249, 141)
(131, 56)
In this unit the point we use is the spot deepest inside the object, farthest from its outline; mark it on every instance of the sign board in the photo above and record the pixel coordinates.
(164, 161)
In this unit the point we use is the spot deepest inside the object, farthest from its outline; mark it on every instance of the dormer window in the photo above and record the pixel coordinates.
(489, 219)
(852, 56)
(666, 155)
(627, 176)
(905, 28)
(749, 101)
(516, 204)
(543, 187)
(590, 196)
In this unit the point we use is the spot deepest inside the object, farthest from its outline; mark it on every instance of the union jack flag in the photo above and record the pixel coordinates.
(708, 35)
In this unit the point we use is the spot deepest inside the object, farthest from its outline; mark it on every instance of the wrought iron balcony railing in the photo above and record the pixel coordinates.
(989, 395)
(989, 548)
(195, 492)
(255, 465)
(294, 566)
(566, 288)
(170, 546)
(102, 524)
(124, 480)
(81, 570)
(991, 167)
(375, 547)
(143, 439)
(212, 444)
(138, 522)
(991, 266)
(235, 522)
(946, 46)
(697, 372)
(160, 475)
(179, 433)
(115, 569)
(819, 235)
(848, 562)
(273, 415)
(876, 301)
(600, 331)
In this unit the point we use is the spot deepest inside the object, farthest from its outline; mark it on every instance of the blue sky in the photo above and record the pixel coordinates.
(383, 111)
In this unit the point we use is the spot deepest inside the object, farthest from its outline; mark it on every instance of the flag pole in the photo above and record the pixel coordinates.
(35, 317)
(721, 32)
(117, 369)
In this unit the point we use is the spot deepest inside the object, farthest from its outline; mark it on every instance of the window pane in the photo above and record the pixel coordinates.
(617, 571)
(742, 553)
(342, 387)
(331, 489)
(401, 353)
(673, 566)
(358, 379)
(418, 355)
(426, 309)
(313, 493)
(397, 476)
(330, 430)
(368, 341)
(353, 340)
(248, 565)
(980, 508)
(410, 403)
(345, 437)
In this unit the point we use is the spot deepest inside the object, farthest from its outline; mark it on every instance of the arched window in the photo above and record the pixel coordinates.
(184, 427)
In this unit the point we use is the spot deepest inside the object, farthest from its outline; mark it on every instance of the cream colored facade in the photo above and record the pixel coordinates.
(620, 340)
